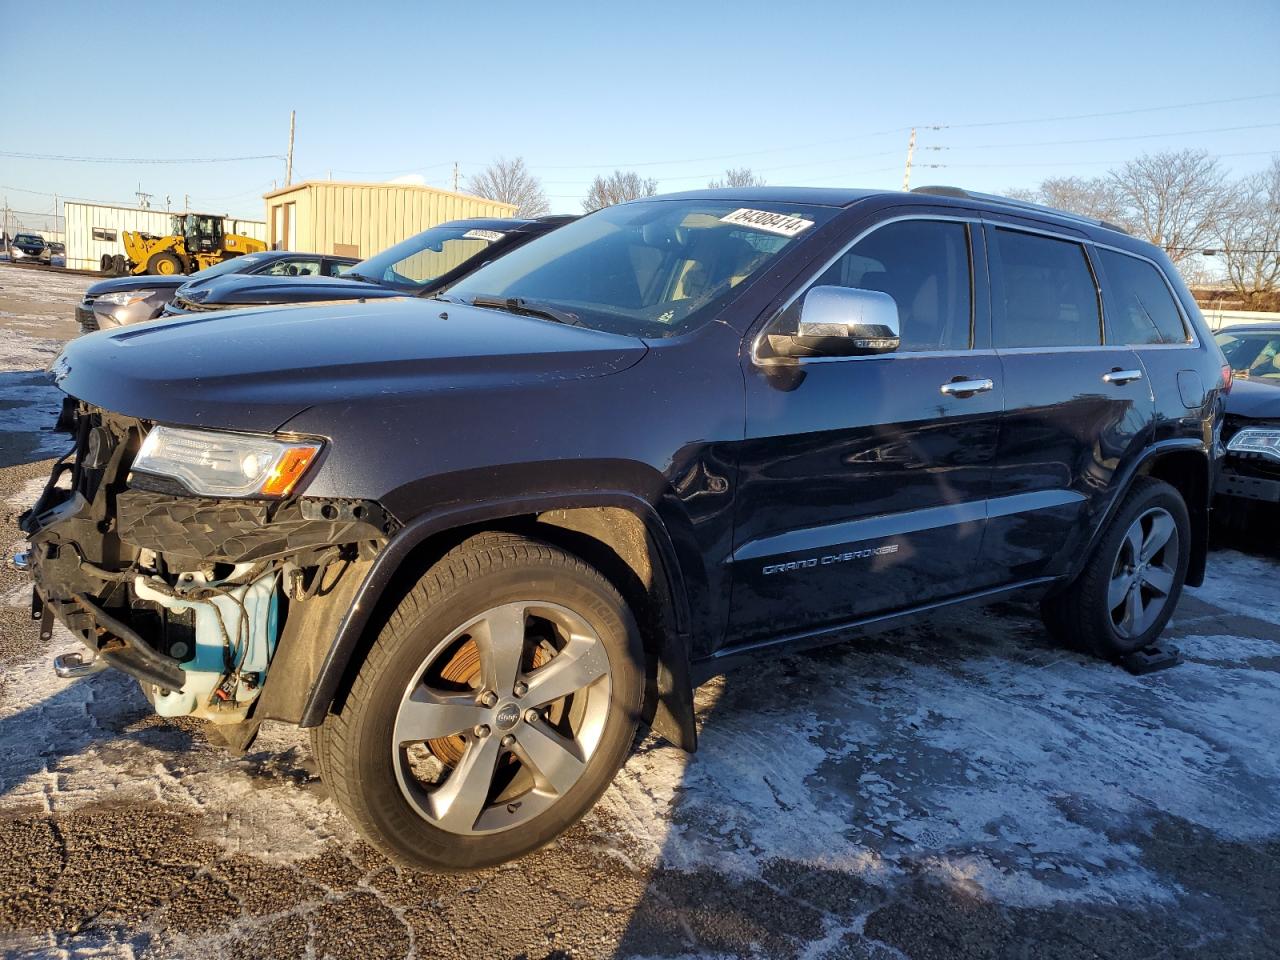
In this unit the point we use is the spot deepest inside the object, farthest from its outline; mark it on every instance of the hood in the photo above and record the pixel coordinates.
(120, 284)
(1254, 399)
(247, 289)
(256, 369)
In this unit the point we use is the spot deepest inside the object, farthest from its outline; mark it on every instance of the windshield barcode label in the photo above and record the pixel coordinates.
(779, 223)
(490, 235)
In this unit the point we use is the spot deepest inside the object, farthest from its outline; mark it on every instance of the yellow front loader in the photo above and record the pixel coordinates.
(195, 241)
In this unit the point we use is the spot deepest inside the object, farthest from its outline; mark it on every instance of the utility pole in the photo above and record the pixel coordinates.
(455, 176)
(288, 164)
(911, 149)
(6, 226)
(144, 199)
(186, 201)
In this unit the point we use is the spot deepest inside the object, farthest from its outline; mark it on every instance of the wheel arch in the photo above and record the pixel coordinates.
(619, 533)
(1186, 466)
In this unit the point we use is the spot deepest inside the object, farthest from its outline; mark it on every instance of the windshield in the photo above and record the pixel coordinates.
(414, 263)
(651, 268)
(28, 238)
(1254, 355)
(242, 264)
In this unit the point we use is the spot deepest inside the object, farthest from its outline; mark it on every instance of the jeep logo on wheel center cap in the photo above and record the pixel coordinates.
(508, 716)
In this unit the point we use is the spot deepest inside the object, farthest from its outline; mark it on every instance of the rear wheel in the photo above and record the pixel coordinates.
(492, 710)
(164, 265)
(1126, 594)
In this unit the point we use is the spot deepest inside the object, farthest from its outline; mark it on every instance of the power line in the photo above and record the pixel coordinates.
(1092, 163)
(1109, 113)
(1136, 136)
(12, 155)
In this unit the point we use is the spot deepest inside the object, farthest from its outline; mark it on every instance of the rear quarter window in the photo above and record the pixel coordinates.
(1140, 306)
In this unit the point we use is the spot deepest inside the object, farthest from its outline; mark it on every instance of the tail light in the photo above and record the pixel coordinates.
(1226, 378)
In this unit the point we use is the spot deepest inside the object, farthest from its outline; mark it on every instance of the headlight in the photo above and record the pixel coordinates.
(126, 298)
(226, 464)
(1265, 441)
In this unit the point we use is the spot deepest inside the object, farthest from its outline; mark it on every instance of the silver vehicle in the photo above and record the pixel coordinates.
(125, 300)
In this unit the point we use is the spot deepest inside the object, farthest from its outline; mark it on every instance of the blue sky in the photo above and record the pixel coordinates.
(812, 93)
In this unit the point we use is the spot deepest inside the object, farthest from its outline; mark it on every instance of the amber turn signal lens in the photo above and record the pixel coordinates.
(293, 464)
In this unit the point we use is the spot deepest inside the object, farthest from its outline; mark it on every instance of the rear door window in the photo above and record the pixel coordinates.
(1140, 306)
(1043, 291)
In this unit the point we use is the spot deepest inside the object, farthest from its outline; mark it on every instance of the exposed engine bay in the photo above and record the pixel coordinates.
(188, 594)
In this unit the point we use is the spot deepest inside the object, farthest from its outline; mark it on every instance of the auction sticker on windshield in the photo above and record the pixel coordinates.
(779, 223)
(490, 235)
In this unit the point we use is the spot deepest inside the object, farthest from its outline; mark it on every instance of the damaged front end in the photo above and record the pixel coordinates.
(205, 599)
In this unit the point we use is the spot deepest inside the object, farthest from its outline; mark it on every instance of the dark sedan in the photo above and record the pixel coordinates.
(124, 300)
(1251, 429)
(421, 265)
(28, 246)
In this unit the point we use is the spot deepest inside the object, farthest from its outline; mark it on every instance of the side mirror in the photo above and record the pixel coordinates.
(841, 322)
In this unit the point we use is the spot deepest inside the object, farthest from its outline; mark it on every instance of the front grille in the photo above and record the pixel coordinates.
(177, 307)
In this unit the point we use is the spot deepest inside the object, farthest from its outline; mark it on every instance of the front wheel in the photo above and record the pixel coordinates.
(1128, 590)
(164, 265)
(491, 712)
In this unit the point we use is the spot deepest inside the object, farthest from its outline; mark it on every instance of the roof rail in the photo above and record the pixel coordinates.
(959, 193)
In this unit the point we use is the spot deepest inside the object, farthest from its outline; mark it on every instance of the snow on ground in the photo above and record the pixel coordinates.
(29, 402)
(36, 310)
(1005, 769)
(1242, 584)
(65, 744)
(969, 749)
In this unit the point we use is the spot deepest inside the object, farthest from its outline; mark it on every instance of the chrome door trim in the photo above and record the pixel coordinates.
(831, 536)
(1119, 377)
(967, 387)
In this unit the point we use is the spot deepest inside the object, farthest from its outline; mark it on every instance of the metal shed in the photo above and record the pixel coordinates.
(93, 229)
(359, 219)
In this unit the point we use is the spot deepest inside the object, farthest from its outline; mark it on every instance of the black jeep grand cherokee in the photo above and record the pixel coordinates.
(472, 542)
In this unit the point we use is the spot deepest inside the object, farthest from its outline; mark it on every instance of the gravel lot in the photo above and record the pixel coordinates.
(961, 789)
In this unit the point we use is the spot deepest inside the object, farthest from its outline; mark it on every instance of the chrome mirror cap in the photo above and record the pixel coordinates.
(842, 322)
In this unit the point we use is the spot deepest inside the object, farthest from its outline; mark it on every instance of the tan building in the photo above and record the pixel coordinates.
(359, 219)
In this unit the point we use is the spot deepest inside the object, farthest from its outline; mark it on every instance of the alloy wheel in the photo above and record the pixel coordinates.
(502, 718)
(1144, 572)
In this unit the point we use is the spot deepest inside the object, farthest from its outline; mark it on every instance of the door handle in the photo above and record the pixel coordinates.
(1121, 376)
(966, 387)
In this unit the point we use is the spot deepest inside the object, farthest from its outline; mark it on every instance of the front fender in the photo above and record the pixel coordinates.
(673, 716)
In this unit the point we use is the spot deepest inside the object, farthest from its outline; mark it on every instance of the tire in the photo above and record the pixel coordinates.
(106, 264)
(164, 265)
(121, 265)
(1094, 613)
(398, 752)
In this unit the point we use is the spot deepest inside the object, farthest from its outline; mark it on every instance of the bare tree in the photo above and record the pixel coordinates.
(737, 177)
(1095, 197)
(1249, 234)
(618, 187)
(1175, 199)
(509, 181)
